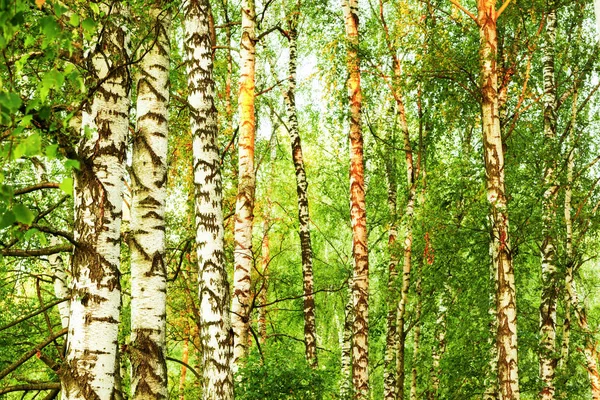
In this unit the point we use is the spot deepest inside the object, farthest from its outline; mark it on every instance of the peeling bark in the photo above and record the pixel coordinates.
(358, 217)
(506, 340)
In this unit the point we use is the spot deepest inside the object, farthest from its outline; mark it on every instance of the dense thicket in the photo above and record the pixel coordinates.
(349, 199)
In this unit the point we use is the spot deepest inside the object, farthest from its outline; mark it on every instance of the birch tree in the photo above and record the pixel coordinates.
(310, 335)
(215, 326)
(91, 351)
(358, 217)
(244, 209)
(548, 360)
(149, 178)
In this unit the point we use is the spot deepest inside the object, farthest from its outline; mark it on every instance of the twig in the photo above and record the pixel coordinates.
(33, 314)
(31, 353)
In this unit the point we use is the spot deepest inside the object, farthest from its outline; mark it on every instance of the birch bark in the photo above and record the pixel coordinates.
(244, 209)
(548, 358)
(508, 373)
(215, 325)
(310, 334)
(149, 176)
(360, 292)
(91, 355)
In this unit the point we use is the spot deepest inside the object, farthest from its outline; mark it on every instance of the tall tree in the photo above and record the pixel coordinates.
(358, 215)
(310, 334)
(149, 176)
(91, 355)
(508, 372)
(389, 375)
(548, 359)
(215, 327)
(244, 208)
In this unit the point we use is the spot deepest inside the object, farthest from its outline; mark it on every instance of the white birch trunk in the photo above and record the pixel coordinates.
(91, 355)
(149, 176)
(244, 208)
(548, 359)
(215, 325)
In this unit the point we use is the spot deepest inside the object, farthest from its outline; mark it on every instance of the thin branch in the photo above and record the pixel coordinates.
(469, 13)
(33, 314)
(37, 252)
(31, 353)
(501, 9)
(30, 386)
(185, 365)
(272, 87)
(272, 29)
(55, 232)
(39, 186)
(302, 296)
(297, 340)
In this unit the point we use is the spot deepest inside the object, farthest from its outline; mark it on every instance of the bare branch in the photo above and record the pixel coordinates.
(31, 386)
(37, 252)
(31, 353)
(39, 186)
(33, 314)
(185, 365)
(469, 13)
(501, 9)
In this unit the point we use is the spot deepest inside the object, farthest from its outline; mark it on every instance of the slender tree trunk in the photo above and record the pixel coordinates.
(440, 348)
(589, 351)
(417, 334)
(508, 373)
(265, 259)
(571, 298)
(491, 386)
(310, 334)
(149, 176)
(548, 359)
(389, 374)
(408, 239)
(345, 386)
(360, 292)
(92, 344)
(59, 280)
(244, 211)
(215, 325)
(185, 358)
(566, 334)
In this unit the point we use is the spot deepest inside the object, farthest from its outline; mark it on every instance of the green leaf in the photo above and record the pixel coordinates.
(74, 20)
(31, 146)
(50, 28)
(70, 164)
(51, 80)
(52, 151)
(89, 27)
(9, 101)
(67, 186)
(7, 219)
(23, 214)
(95, 8)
